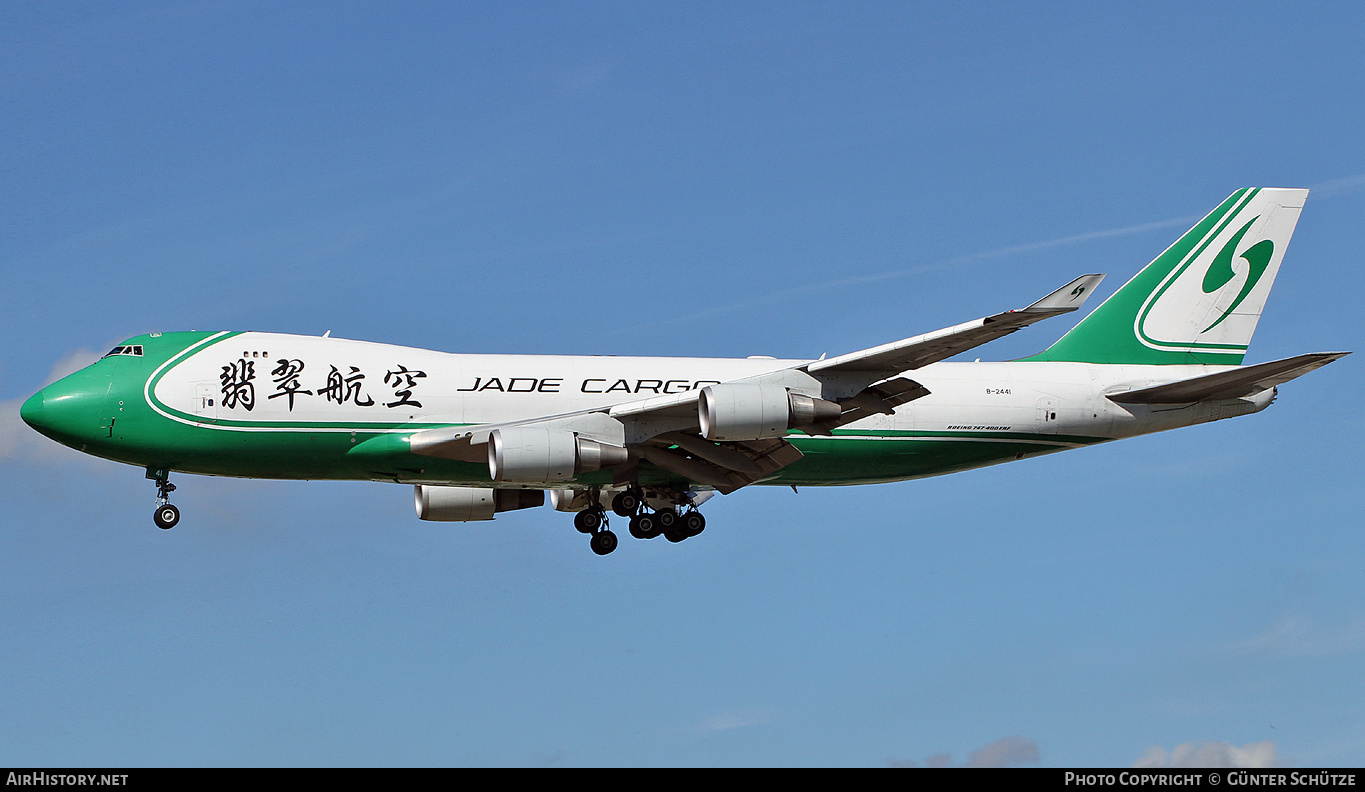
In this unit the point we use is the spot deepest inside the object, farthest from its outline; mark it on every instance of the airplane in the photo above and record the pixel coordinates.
(651, 438)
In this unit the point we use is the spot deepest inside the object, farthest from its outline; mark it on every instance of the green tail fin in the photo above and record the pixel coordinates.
(1199, 301)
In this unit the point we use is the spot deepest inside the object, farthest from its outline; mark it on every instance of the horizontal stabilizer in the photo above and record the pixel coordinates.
(1233, 384)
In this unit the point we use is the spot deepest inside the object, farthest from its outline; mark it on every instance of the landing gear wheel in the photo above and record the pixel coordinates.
(644, 526)
(588, 521)
(666, 519)
(626, 504)
(166, 516)
(692, 523)
(675, 535)
(603, 542)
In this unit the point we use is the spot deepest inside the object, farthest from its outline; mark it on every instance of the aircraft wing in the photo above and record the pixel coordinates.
(866, 366)
(1233, 384)
(667, 430)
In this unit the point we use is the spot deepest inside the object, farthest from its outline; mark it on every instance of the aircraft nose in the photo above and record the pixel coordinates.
(69, 410)
(32, 411)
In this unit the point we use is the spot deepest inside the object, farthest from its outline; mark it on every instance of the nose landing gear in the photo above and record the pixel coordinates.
(166, 515)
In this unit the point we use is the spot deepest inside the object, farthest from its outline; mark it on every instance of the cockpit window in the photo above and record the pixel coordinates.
(135, 350)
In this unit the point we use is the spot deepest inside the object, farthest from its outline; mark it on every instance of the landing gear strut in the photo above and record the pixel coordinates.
(166, 515)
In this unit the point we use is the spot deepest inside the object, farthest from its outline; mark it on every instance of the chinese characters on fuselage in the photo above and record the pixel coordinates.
(286, 376)
(239, 387)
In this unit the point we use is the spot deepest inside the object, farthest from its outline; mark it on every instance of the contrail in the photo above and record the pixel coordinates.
(1327, 189)
(1335, 187)
(858, 280)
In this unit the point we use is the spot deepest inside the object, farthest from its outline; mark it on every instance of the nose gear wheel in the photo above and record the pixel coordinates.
(166, 515)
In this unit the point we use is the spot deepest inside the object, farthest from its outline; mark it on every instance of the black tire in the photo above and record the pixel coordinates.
(588, 521)
(675, 536)
(666, 519)
(166, 517)
(625, 504)
(603, 542)
(644, 526)
(692, 523)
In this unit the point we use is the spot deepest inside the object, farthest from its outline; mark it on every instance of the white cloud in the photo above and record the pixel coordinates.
(1296, 636)
(14, 433)
(18, 438)
(1006, 752)
(1210, 754)
(70, 364)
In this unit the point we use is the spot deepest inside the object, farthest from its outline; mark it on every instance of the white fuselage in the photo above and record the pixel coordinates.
(338, 385)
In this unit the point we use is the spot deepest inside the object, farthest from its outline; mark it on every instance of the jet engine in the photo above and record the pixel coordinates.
(537, 453)
(748, 411)
(465, 504)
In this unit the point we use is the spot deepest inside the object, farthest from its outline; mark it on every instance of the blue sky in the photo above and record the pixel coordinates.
(717, 179)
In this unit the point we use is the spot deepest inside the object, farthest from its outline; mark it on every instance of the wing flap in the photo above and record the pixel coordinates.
(879, 399)
(725, 466)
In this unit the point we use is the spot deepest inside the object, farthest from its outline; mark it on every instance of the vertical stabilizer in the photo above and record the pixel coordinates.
(1200, 300)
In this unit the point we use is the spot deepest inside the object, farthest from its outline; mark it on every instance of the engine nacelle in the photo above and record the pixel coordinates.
(466, 504)
(569, 500)
(747, 411)
(538, 453)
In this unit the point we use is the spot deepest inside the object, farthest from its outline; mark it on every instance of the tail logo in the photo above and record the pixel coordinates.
(1208, 301)
(1199, 301)
(1220, 271)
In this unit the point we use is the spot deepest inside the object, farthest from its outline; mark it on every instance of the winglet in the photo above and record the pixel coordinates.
(1068, 298)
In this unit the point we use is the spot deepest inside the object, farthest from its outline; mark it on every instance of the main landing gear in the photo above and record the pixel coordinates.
(666, 522)
(593, 520)
(166, 515)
